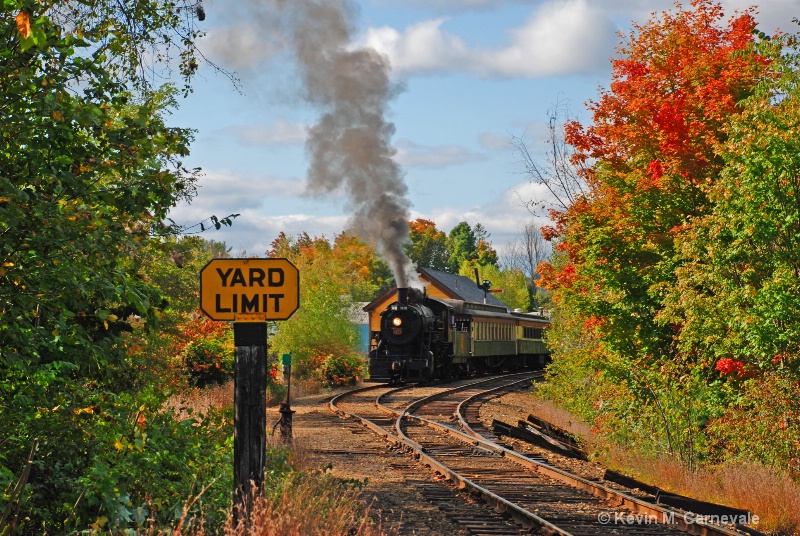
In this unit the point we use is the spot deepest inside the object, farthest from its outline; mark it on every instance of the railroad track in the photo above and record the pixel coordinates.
(439, 425)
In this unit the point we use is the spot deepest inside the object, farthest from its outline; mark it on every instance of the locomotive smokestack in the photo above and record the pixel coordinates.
(350, 146)
(402, 296)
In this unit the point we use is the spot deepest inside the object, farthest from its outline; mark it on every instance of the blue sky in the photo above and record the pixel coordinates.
(471, 73)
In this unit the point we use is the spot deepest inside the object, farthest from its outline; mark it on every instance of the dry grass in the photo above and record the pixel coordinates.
(771, 495)
(548, 411)
(308, 504)
(306, 387)
(199, 400)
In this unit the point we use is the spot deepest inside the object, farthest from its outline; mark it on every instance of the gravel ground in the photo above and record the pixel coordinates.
(349, 450)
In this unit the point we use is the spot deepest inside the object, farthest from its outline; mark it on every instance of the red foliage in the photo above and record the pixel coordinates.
(592, 323)
(654, 136)
(729, 366)
(672, 92)
(199, 327)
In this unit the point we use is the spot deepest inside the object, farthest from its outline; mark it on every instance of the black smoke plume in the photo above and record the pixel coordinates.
(350, 146)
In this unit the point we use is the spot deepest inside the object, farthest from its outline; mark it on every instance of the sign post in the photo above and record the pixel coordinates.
(249, 292)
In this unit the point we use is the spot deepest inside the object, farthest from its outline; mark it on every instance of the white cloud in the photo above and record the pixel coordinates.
(495, 142)
(231, 192)
(281, 133)
(503, 217)
(559, 38)
(254, 198)
(410, 154)
(422, 47)
(453, 5)
(253, 232)
(238, 47)
(770, 14)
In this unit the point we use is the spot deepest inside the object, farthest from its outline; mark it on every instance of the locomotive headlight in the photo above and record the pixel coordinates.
(397, 321)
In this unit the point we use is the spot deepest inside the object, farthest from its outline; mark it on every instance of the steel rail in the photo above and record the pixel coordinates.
(521, 515)
(618, 498)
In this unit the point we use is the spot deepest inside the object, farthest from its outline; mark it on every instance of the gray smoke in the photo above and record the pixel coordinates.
(350, 147)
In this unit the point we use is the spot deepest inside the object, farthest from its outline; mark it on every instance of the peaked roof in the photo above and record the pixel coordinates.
(461, 287)
(456, 287)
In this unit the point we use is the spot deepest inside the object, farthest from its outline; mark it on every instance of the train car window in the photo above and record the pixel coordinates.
(532, 333)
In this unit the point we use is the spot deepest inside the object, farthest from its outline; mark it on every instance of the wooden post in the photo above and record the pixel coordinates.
(250, 413)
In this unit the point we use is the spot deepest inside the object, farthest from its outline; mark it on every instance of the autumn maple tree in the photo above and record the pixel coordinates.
(675, 142)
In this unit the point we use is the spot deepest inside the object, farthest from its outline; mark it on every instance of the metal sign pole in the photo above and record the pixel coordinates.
(286, 408)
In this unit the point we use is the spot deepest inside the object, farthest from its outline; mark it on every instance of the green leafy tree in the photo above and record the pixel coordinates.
(512, 281)
(88, 171)
(470, 244)
(428, 247)
(740, 280)
(95, 178)
(172, 265)
(462, 245)
(321, 327)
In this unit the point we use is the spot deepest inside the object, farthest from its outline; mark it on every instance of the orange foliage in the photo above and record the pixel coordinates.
(671, 94)
(654, 135)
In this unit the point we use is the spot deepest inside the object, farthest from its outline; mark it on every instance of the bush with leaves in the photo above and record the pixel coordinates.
(342, 369)
(682, 260)
(207, 350)
(112, 459)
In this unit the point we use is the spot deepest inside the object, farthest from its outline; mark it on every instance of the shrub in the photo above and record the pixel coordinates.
(113, 461)
(209, 361)
(342, 369)
(207, 350)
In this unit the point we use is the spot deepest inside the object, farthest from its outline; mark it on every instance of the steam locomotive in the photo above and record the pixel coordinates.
(424, 339)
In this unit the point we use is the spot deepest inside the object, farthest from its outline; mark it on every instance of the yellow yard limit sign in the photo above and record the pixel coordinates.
(249, 290)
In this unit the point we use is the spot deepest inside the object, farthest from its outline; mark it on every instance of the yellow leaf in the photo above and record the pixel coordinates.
(2, 272)
(24, 23)
(100, 523)
(4, 199)
(105, 324)
(118, 445)
(112, 317)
